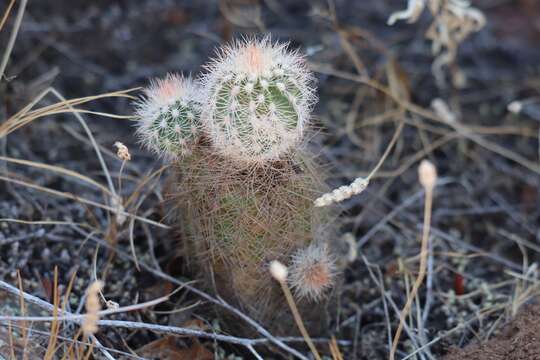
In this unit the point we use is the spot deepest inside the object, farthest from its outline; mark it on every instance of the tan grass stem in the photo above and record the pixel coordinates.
(281, 276)
(428, 177)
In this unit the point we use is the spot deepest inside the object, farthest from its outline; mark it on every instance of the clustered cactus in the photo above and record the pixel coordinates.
(245, 185)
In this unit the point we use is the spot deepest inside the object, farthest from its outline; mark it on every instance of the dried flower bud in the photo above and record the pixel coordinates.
(427, 174)
(411, 14)
(515, 107)
(122, 151)
(443, 111)
(312, 272)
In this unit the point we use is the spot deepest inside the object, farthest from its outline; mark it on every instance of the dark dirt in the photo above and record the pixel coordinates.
(519, 340)
(486, 215)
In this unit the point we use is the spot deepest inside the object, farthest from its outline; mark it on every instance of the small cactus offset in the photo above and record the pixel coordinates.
(244, 185)
(259, 99)
(169, 116)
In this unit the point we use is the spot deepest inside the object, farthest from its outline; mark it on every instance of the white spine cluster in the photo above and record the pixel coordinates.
(342, 193)
(312, 272)
(169, 116)
(259, 97)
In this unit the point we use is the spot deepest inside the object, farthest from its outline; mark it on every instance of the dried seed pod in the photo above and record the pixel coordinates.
(312, 271)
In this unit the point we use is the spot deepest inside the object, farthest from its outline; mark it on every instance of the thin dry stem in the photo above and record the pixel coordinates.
(462, 130)
(12, 38)
(80, 199)
(6, 14)
(423, 262)
(298, 318)
(26, 115)
(58, 170)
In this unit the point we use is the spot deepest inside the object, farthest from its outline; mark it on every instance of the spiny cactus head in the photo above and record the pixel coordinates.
(169, 116)
(312, 271)
(259, 97)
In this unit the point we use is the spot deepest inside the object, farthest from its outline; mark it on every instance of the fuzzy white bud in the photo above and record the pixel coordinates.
(278, 271)
(427, 174)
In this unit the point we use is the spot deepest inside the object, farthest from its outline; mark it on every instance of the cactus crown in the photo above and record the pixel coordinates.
(259, 99)
(170, 116)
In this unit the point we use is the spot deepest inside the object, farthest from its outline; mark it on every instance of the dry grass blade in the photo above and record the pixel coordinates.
(25, 116)
(22, 307)
(82, 200)
(44, 222)
(12, 38)
(11, 345)
(6, 14)
(55, 324)
(334, 350)
(82, 317)
(464, 131)
(58, 170)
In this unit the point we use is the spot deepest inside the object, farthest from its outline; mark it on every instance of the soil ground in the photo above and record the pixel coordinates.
(519, 340)
(484, 238)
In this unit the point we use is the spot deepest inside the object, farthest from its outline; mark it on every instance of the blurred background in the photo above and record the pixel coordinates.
(371, 77)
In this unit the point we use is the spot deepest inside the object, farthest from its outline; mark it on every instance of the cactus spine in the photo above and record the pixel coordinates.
(244, 195)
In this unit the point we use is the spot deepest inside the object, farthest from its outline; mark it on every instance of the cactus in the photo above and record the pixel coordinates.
(244, 195)
(169, 116)
(259, 100)
(234, 222)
